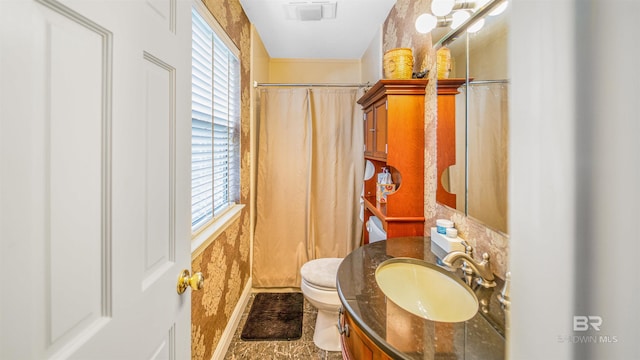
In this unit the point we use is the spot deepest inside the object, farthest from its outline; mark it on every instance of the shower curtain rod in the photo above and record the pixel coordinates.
(256, 84)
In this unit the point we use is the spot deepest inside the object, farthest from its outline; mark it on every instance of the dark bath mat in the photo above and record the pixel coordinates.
(274, 316)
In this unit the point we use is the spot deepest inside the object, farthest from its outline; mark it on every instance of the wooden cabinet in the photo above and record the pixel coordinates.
(376, 130)
(446, 135)
(369, 132)
(356, 345)
(394, 138)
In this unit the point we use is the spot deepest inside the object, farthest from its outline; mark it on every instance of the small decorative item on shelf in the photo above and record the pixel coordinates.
(384, 186)
(398, 64)
(423, 68)
(382, 190)
(420, 74)
(443, 56)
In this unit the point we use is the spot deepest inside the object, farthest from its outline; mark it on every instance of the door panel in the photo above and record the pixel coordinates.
(160, 152)
(165, 11)
(75, 174)
(164, 350)
(95, 191)
(380, 110)
(369, 132)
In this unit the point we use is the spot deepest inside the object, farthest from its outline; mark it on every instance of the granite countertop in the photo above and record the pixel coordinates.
(403, 335)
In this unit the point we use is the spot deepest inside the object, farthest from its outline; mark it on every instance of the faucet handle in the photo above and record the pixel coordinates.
(503, 297)
(466, 269)
(467, 248)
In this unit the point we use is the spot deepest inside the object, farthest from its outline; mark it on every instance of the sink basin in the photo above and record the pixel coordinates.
(426, 290)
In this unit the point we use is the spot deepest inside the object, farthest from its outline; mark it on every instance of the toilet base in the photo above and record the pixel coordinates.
(326, 335)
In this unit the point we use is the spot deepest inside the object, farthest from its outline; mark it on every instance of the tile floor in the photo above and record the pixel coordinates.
(302, 349)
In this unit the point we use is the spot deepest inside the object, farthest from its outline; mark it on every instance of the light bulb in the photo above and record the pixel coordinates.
(442, 7)
(476, 27)
(500, 9)
(426, 23)
(458, 18)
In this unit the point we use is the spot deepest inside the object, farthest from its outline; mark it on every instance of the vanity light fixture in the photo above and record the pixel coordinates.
(454, 13)
(442, 7)
(495, 12)
(475, 27)
(458, 18)
(445, 7)
(425, 23)
(500, 9)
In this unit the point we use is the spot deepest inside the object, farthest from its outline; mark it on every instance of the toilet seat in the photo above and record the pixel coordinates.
(317, 287)
(321, 273)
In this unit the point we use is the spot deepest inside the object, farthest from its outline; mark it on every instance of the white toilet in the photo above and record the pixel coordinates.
(319, 288)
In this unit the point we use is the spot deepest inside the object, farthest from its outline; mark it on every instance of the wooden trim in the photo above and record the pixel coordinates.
(380, 210)
(450, 86)
(393, 87)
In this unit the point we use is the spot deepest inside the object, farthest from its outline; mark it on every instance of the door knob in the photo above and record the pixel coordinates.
(196, 281)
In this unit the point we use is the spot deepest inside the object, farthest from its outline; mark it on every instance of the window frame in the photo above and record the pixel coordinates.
(210, 230)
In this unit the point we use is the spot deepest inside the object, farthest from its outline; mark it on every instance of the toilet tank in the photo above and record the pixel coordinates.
(375, 229)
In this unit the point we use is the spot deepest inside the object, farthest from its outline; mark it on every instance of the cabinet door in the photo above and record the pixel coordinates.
(369, 131)
(357, 346)
(380, 115)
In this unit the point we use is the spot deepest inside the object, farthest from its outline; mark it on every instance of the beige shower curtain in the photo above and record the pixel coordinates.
(488, 162)
(310, 171)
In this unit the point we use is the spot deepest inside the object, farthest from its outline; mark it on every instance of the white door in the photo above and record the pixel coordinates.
(94, 189)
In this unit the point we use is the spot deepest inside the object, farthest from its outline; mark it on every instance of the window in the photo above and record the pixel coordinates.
(215, 123)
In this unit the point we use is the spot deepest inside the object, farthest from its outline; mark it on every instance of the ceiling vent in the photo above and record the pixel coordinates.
(311, 11)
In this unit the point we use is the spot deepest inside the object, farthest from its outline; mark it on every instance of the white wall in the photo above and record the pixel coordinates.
(371, 61)
(541, 206)
(575, 168)
(608, 166)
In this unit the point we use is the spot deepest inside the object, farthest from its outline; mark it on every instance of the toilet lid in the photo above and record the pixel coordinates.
(321, 272)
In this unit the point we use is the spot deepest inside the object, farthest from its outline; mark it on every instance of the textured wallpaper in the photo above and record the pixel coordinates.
(399, 32)
(225, 263)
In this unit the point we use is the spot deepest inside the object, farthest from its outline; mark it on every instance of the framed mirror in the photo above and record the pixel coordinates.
(478, 177)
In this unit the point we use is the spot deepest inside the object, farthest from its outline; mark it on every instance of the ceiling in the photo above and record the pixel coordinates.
(345, 36)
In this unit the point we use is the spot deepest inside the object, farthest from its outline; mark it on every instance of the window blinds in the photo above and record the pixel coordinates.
(215, 118)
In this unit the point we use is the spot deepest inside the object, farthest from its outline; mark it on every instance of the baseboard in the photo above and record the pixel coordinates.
(232, 325)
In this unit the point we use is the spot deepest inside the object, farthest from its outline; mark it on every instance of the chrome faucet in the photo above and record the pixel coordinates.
(482, 269)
